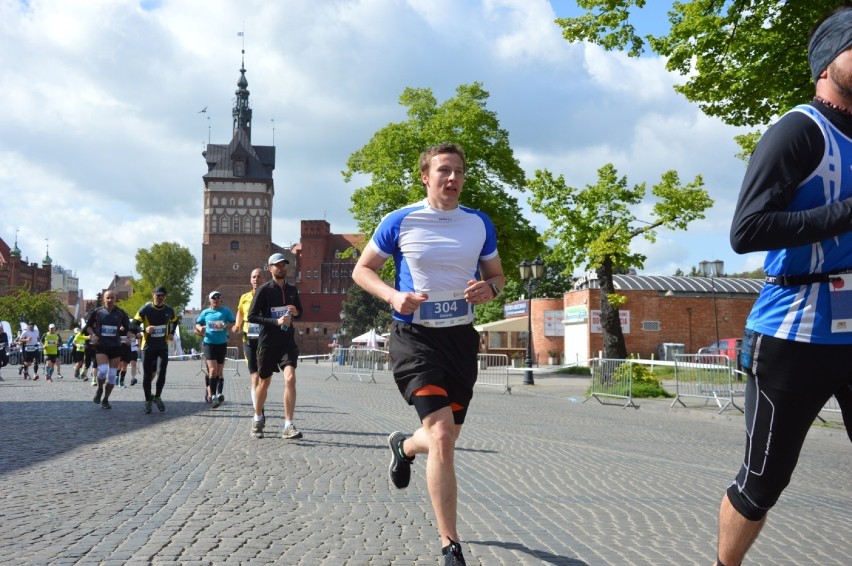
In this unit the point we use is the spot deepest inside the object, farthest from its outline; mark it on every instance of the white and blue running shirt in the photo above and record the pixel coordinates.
(803, 313)
(434, 250)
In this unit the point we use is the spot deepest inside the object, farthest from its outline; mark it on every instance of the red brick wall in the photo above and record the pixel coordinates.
(686, 320)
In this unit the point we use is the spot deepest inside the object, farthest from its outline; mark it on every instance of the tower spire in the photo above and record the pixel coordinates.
(242, 108)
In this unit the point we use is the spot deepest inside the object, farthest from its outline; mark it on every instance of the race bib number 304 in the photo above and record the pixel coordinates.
(444, 308)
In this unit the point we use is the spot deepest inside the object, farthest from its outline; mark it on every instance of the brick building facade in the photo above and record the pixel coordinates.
(17, 272)
(691, 311)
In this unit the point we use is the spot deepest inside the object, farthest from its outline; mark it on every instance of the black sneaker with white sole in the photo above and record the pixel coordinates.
(400, 464)
(452, 554)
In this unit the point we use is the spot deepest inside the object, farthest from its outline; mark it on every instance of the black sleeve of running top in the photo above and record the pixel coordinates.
(785, 156)
(260, 305)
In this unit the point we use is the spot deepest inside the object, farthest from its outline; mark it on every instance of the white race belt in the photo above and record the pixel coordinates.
(443, 309)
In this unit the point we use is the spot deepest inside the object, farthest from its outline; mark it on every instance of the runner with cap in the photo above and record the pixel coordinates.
(78, 343)
(274, 307)
(156, 321)
(212, 323)
(51, 341)
(28, 339)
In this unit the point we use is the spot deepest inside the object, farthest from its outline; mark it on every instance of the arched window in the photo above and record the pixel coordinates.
(233, 201)
(235, 245)
(247, 225)
(214, 201)
(214, 224)
(226, 224)
(257, 224)
(241, 202)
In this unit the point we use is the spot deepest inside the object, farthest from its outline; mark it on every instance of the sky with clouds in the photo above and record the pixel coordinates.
(101, 134)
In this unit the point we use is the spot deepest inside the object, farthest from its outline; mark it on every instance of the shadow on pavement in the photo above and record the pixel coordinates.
(545, 557)
(34, 431)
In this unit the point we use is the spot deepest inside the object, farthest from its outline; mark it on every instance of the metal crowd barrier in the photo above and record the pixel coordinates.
(710, 377)
(494, 370)
(233, 358)
(362, 363)
(612, 382)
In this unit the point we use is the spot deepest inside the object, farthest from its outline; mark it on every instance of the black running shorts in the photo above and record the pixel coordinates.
(788, 384)
(271, 358)
(443, 357)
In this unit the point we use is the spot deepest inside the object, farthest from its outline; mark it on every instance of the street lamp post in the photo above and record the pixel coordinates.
(531, 271)
(342, 331)
(711, 269)
(316, 344)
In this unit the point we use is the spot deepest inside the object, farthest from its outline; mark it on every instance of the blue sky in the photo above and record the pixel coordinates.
(100, 146)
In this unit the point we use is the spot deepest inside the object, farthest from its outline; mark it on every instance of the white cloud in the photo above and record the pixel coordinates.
(101, 140)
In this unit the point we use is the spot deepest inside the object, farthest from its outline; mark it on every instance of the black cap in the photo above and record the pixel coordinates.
(160, 290)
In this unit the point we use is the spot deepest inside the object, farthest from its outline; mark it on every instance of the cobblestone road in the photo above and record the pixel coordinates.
(542, 479)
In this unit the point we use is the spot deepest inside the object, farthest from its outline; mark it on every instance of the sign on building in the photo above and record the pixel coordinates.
(595, 324)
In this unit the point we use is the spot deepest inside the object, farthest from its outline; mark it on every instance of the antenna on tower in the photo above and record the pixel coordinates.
(273, 131)
(208, 130)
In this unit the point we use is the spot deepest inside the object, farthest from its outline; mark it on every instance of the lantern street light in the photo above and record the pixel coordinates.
(531, 272)
(712, 269)
(316, 343)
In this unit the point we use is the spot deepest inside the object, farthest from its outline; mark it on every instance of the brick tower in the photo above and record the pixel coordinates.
(238, 193)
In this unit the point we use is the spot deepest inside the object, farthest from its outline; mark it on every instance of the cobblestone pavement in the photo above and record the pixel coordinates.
(543, 479)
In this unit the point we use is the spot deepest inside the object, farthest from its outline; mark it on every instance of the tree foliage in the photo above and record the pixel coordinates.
(594, 227)
(390, 159)
(362, 312)
(168, 264)
(745, 61)
(42, 308)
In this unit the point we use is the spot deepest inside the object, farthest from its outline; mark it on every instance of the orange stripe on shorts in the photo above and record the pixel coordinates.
(427, 390)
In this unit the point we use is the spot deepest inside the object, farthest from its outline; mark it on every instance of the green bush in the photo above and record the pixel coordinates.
(575, 370)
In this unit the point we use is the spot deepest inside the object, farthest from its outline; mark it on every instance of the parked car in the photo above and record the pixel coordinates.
(726, 347)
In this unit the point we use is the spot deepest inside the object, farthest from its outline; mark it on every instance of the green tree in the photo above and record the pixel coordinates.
(493, 310)
(595, 226)
(42, 308)
(745, 61)
(168, 264)
(390, 159)
(363, 311)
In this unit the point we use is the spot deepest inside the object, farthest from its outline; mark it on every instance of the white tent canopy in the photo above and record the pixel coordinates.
(370, 339)
(517, 324)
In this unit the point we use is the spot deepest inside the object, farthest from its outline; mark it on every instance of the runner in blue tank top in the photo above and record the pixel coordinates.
(795, 204)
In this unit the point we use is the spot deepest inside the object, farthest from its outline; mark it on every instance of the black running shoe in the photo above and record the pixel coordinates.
(400, 465)
(105, 404)
(452, 554)
(160, 405)
(98, 396)
(216, 402)
(148, 407)
(134, 381)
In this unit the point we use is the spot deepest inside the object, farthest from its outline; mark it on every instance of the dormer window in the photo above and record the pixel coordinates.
(239, 167)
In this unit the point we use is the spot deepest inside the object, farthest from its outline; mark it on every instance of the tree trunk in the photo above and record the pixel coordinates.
(613, 339)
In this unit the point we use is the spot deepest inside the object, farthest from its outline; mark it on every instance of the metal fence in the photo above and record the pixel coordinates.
(360, 363)
(233, 359)
(708, 377)
(612, 382)
(494, 371)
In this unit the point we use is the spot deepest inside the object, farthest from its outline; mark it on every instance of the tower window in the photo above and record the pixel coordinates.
(235, 245)
(239, 168)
